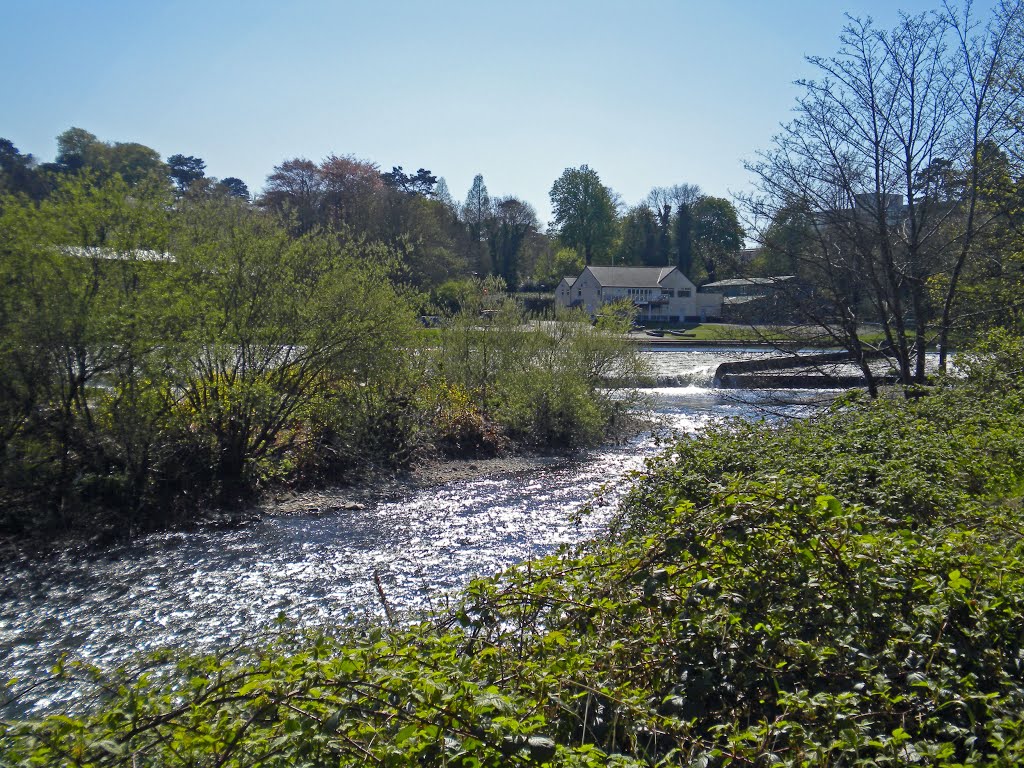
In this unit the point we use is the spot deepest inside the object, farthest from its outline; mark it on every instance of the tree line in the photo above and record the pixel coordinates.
(440, 240)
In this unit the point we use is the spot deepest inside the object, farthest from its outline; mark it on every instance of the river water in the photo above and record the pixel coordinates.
(206, 589)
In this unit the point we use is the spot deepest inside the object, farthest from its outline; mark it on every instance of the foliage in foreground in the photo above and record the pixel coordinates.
(844, 591)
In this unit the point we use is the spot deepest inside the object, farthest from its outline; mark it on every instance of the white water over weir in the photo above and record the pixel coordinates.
(217, 587)
(760, 368)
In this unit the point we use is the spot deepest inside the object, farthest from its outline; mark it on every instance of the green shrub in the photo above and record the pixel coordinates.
(544, 385)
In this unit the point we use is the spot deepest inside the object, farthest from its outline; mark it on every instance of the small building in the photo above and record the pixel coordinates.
(755, 299)
(563, 293)
(660, 294)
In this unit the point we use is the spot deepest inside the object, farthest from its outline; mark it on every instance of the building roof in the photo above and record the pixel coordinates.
(733, 301)
(567, 279)
(111, 254)
(630, 277)
(738, 281)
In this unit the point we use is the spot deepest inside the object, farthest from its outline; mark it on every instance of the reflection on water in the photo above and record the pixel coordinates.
(204, 589)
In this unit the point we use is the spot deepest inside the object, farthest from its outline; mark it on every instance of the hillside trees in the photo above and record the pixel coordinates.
(884, 242)
(78, 149)
(296, 189)
(354, 199)
(420, 183)
(235, 187)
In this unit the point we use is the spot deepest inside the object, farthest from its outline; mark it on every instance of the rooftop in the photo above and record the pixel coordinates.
(748, 281)
(631, 277)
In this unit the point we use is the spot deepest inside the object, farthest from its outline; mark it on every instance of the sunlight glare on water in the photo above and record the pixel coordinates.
(203, 590)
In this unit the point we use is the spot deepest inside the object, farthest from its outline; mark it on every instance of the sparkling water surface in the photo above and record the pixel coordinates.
(206, 589)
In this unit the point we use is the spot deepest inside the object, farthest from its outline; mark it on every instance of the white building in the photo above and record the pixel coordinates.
(660, 294)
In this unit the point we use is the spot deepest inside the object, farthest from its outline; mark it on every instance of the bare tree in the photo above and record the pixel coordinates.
(991, 62)
(296, 188)
(856, 171)
(674, 196)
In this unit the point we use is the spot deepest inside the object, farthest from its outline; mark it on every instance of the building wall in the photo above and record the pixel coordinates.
(709, 306)
(587, 290)
(563, 293)
(681, 299)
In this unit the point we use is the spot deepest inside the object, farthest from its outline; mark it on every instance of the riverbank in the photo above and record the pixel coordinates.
(374, 484)
(384, 485)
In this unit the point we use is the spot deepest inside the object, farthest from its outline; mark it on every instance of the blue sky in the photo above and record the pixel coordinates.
(646, 92)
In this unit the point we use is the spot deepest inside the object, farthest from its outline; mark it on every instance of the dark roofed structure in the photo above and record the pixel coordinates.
(631, 277)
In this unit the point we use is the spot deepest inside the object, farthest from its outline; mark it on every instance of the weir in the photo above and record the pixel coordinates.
(824, 370)
(762, 369)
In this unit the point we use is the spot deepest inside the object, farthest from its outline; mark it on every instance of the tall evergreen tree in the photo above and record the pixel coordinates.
(683, 236)
(477, 209)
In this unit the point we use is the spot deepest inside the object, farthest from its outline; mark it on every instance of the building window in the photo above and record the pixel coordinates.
(684, 293)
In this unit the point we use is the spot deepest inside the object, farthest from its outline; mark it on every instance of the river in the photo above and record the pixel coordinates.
(205, 589)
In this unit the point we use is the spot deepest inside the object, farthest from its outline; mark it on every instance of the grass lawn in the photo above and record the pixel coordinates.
(739, 332)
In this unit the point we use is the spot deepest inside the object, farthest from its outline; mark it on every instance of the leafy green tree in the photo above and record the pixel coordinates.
(421, 231)
(19, 173)
(584, 212)
(556, 264)
(134, 162)
(272, 325)
(511, 223)
(717, 234)
(75, 148)
(78, 312)
(185, 171)
(640, 241)
(78, 150)
(235, 187)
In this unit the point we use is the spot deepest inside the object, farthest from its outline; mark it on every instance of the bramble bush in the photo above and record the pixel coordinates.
(842, 591)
